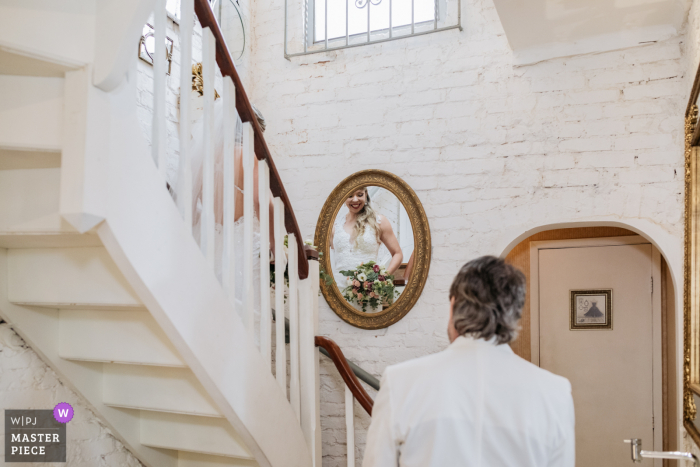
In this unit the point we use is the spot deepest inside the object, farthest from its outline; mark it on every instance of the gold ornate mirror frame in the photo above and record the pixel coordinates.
(421, 252)
(691, 267)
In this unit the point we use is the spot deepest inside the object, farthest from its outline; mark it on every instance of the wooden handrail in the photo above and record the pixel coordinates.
(345, 372)
(245, 110)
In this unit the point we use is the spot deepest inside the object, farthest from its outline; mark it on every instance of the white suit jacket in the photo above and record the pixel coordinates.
(474, 404)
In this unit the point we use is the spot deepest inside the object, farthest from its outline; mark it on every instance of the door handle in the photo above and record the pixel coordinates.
(638, 453)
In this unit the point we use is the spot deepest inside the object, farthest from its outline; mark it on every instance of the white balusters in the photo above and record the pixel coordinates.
(350, 425)
(265, 311)
(309, 362)
(184, 195)
(294, 396)
(248, 216)
(301, 296)
(280, 265)
(159, 143)
(228, 265)
(207, 221)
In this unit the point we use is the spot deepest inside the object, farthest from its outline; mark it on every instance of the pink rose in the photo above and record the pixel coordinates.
(356, 283)
(373, 295)
(366, 284)
(376, 268)
(359, 296)
(382, 278)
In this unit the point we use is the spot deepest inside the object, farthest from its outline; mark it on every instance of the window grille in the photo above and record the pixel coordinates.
(313, 26)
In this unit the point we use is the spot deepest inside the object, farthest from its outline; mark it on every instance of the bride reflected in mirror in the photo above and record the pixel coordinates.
(356, 240)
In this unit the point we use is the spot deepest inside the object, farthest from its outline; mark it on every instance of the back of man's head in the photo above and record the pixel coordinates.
(489, 295)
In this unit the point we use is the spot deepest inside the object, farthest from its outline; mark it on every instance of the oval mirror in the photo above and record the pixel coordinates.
(375, 243)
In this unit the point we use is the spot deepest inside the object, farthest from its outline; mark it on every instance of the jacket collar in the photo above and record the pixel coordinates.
(469, 341)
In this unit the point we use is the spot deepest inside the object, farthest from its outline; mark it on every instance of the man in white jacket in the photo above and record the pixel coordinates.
(475, 404)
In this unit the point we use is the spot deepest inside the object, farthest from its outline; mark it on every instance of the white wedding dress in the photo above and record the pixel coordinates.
(239, 247)
(348, 256)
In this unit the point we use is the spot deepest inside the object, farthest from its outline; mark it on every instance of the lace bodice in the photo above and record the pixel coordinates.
(349, 255)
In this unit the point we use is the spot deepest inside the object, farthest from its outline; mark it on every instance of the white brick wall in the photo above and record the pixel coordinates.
(26, 382)
(491, 150)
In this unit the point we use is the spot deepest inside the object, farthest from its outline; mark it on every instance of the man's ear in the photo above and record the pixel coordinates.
(451, 330)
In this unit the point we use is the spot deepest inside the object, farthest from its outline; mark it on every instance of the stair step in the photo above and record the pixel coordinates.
(13, 159)
(50, 231)
(193, 459)
(163, 389)
(204, 435)
(22, 65)
(75, 278)
(31, 113)
(115, 336)
(27, 195)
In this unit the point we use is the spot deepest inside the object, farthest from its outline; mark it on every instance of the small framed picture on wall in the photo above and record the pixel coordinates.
(591, 309)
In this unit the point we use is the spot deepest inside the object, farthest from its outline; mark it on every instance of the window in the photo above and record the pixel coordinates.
(313, 26)
(375, 12)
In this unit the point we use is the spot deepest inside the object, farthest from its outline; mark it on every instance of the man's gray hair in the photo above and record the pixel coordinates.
(489, 295)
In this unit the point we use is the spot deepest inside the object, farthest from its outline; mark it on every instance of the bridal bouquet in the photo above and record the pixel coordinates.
(370, 284)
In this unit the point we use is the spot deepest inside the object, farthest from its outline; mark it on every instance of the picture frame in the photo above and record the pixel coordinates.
(691, 264)
(590, 309)
(147, 55)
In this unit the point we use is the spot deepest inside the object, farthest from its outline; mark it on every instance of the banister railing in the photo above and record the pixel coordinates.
(214, 151)
(300, 298)
(346, 372)
(353, 390)
(245, 110)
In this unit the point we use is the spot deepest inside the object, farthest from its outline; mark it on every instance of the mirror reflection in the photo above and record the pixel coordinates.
(371, 249)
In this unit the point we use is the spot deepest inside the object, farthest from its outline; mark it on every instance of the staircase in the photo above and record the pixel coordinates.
(78, 311)
(98, 271)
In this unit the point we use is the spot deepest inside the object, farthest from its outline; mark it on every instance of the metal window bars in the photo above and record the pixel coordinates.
(373, 36)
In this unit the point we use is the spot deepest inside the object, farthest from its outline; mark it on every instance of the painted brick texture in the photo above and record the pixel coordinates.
(26, 382)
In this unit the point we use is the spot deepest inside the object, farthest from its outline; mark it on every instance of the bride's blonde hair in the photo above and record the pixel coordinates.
(366, 217)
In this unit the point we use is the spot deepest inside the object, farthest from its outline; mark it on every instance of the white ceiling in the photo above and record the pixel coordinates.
(542, 29)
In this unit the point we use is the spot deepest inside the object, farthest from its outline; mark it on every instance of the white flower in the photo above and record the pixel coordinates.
(362, 277)
(376, 281)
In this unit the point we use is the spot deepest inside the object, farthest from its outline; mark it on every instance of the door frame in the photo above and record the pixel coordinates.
(657, 345)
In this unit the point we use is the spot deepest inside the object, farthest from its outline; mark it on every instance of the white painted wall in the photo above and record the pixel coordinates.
(26, 382)
(492, 150)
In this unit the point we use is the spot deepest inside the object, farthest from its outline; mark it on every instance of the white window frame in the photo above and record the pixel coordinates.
(355, 40)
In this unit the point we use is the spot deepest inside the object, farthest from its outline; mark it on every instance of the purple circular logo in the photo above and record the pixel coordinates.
(63, 412)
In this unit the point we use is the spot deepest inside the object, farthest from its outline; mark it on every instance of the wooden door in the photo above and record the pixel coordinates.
(611, 370)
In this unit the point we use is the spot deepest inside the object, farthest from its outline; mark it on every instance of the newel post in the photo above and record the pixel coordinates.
(309, 357)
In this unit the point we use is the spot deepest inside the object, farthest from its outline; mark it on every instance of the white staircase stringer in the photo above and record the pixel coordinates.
(118, 25)
(146, 237)
(39, 327)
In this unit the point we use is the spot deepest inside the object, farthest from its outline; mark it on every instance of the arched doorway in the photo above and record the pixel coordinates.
(666, 353)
